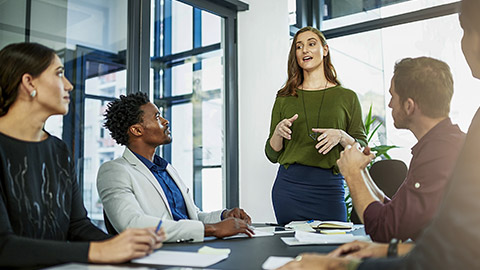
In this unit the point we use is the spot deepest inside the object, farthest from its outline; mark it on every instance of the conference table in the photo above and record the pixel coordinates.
(250, 253)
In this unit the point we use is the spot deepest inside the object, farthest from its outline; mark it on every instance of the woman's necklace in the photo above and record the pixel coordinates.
(311, 134)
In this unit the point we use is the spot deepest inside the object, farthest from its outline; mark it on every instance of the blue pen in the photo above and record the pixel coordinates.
(310, 221)
(158, 226)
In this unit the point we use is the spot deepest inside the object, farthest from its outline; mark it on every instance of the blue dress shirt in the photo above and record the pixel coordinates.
(172, 192)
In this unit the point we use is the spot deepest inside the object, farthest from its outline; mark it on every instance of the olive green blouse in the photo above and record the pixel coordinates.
(335, 107)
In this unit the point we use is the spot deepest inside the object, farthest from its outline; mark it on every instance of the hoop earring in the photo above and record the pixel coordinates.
(33, 93)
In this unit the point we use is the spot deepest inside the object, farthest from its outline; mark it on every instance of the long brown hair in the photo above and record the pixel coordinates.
(295, 72)
(16, 60)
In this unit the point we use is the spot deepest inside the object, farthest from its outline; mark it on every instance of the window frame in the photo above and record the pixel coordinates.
(138, 73)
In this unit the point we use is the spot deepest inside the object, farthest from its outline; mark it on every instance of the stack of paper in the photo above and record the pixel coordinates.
(300, 226)
(307, 238)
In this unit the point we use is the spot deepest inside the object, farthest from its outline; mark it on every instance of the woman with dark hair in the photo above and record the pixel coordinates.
(42, 217)
(313, 118)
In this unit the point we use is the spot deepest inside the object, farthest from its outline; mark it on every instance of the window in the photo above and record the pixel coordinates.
(90, 38)
(367, 38)
(374, 53)
(338, 13)
(193, 81)
(189, 85)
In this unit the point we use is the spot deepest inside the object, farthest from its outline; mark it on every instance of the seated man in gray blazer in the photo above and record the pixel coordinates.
(140, 188)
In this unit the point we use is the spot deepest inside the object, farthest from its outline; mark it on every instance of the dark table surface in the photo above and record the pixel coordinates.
(249, 253)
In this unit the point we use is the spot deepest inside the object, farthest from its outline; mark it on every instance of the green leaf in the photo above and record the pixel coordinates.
(368, 120)
(381, 150)
(374, 131)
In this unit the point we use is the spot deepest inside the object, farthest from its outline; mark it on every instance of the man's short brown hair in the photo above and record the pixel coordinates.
(427, 81)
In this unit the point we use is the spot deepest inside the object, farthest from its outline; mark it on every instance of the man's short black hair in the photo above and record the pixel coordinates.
(122, 113)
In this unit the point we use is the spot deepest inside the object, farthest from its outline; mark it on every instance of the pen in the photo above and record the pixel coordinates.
(158, 226)
(273, 224)
(310, 221)
(184, 240)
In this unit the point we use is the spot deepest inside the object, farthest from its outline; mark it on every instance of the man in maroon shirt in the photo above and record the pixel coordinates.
(421, 90)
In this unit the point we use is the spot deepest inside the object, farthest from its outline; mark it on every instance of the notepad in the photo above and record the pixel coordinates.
(331, 225)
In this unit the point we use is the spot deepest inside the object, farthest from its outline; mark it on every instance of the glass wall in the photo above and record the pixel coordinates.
(91, 38)
(365, 64)
(338, 13)
(188, 84)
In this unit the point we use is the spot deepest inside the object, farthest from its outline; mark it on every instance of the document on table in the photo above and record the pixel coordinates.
(274, 262)
(307, 238)
(215, 251)
(180, 258)
(258, 233)
(80, 266)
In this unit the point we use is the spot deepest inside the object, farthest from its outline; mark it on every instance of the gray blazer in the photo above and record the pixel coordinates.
(133, 198)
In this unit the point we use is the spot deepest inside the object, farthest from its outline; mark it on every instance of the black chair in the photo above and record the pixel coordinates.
(108, 224)
(388, 175)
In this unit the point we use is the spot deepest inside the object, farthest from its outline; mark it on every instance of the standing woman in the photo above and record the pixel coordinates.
(42, 217)
(313, 119)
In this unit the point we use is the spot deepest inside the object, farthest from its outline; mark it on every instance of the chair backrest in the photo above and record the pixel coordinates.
(388, 175)
(108, 224)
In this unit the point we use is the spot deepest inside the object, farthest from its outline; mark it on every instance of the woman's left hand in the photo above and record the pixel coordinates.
(328, 139)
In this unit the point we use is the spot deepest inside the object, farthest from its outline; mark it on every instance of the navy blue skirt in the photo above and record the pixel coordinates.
(304, 192)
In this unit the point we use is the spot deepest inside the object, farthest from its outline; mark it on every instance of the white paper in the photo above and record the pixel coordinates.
(274, 262)
(300, 226)
(180, 258)
(258, 233)
(306, 238)
(273, 230)
(211, 250)
(79, 266)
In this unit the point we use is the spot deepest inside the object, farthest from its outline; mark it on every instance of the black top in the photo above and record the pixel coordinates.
(41, 206)
(452, 241)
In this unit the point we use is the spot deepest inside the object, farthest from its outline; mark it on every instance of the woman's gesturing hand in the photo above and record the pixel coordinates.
(283, 127)
(327, 139)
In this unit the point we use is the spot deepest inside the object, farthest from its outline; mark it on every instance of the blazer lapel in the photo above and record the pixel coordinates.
(140, 167)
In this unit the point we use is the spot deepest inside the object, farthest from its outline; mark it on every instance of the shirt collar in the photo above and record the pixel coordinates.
(157, 164)
(438, 128)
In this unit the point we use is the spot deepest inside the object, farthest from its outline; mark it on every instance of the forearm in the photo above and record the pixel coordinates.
(276, 142)
(209, 230)
(360, 193)
(376, 191)
(346, 139)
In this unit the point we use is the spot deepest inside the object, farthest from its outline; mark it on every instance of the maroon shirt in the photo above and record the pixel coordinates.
(417, 199)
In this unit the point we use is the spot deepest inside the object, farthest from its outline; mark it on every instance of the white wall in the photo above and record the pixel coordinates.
(263, 44)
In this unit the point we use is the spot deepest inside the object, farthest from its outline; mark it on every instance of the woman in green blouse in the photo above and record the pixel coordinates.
(313, 119)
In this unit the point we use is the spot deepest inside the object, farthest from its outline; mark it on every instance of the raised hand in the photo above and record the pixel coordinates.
(353, 159)
(283, 128)
(130, 244)
(328, 139)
